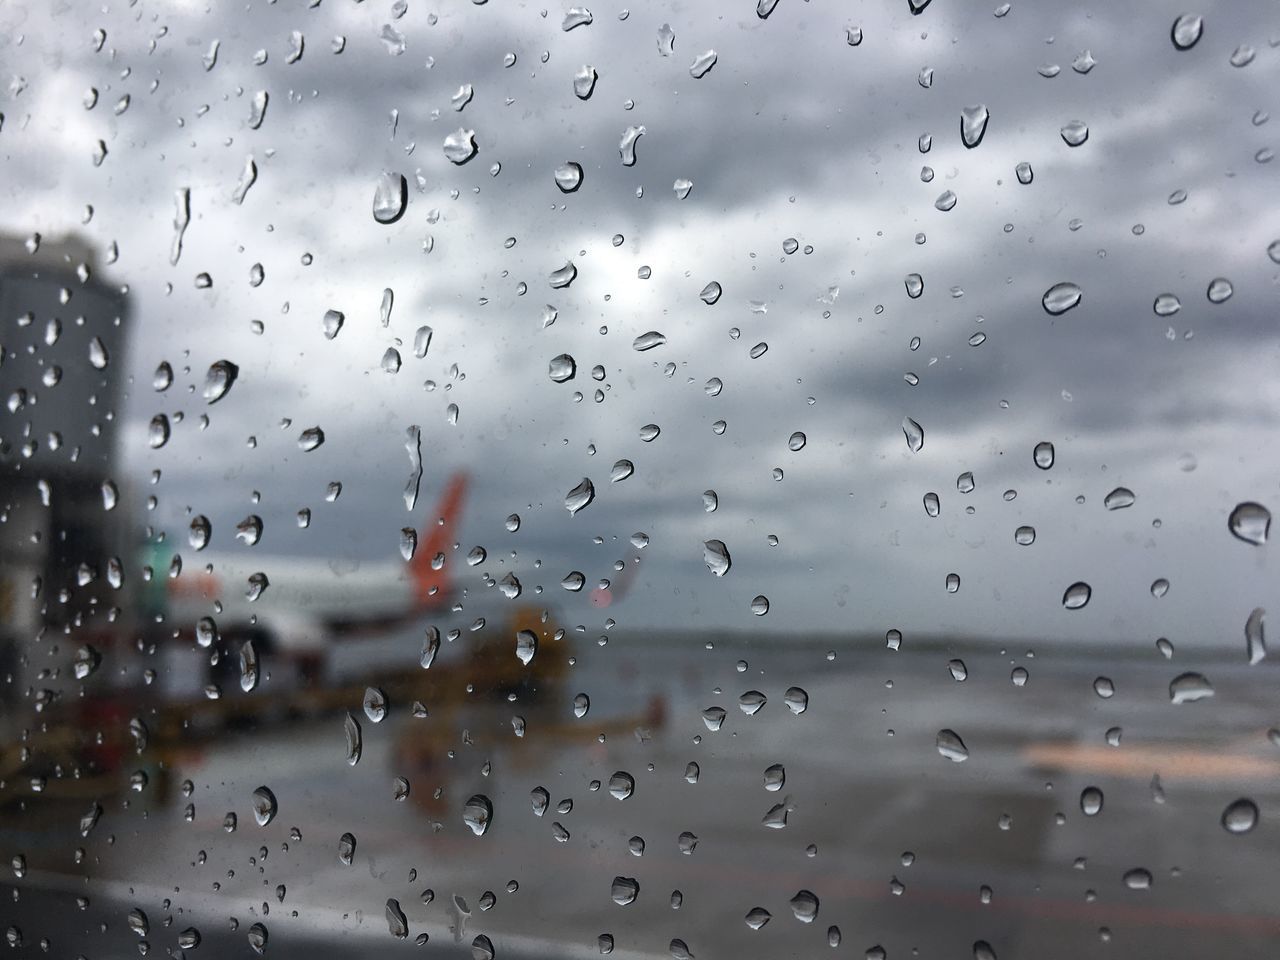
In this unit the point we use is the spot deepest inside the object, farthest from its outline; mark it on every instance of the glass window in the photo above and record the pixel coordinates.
(706, 479)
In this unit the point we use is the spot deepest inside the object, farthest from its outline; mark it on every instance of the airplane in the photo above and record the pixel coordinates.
(308, 607)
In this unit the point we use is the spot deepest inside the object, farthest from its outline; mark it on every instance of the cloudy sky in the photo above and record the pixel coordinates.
(795, 133)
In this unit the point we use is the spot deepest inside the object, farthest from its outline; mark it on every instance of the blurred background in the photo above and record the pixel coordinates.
(693, 481)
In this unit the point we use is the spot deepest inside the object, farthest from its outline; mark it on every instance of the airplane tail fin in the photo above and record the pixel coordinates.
(431, 577)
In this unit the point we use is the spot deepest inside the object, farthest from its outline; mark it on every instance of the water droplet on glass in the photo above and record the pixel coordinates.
(219, 379)
(482, 948)
(1074, 133)
(1242, 56)
(1043, 455)
(1220, 290)
(757, 917)
(627, 145)
(710, 293)
(973, 124)
(649, 432)
(258, 938)
(1119, 498)
(1166, 305)
(915, 285)
(563, 276)
(1090, 801)
(158, 431)
(575, 17)
(702, 64)
(1187, 30)
(932, 505)
(914, 434)
(562, 368)
(526, 646)
(1189, 687)
(584, 81)
(1138, 879)
(460, 146)
(951, 746)
(713, 718)
(1060, 298)
(716, 556)
(1250, 522)
(264, 806)
(804, 905)
(375, 704)
(568, 177)
(580, 496)
(346, 848)
(621, 470)
(946, 200)
(1077, 595)
(1255, 640)
(796, 699)
(189, 938)
(477, 813)
(390, 196)
(1024, 172)
(624, 890)
(355, 741)
(1240, 816)
(1025, 536)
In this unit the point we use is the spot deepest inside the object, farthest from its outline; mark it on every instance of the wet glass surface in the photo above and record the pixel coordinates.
(702, 480)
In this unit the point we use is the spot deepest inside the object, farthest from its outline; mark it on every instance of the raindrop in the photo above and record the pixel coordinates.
(460, 146)
(796, 699)
(914, 434)
(702, 64)
(973, 124)
(946, 201)
(584, 81)
(562, 368)
(397, 922)
(563, 276)
(351, 728)
(759, 605)
(1255, 641)
(264, 806)
(710, 293)
(1043, 455)
(713, 718)
(575, 17)
(477, 813)
(390, 196)
(1119, 498)
(1189, 687)
(219, 379)
(621, 470)
(624, 890)
(1077, 595)
(189, 938)
(804, 904)
(627, 145)
(310, 438)
(1024, 173)
(346, 848)
(1241, 816)
(647, 341)
(1025, 536)
(1250, 522)
(716, 556)
(915, 285)
(158, 431)
(1220, 290)
(1074, 133)
(649, 432)
(1090, 801)
(258, 938)
(757, 917)
(1166, 305)
(951, 746)
(568, 176)
(932, 505)
(526, 646)
(1060, 298)
(580, 496)
(375, 704)
(796, 442)
(581, 704)
(1187, 30)
(1138, 879)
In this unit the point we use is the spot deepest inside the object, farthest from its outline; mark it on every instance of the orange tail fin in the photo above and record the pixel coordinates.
(431, 586)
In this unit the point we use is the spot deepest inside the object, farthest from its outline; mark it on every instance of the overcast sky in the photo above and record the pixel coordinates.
(794, 133)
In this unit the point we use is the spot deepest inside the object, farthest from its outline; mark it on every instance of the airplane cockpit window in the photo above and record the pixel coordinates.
(746, 478)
